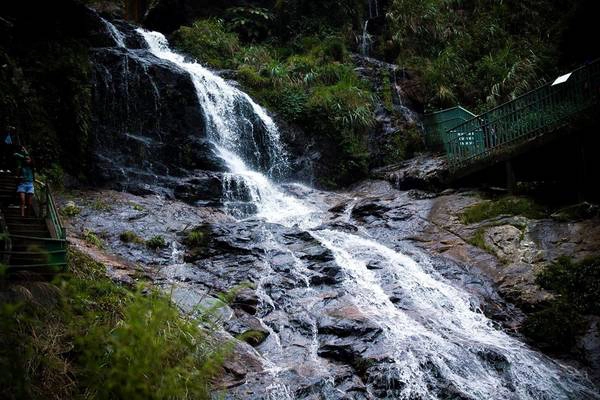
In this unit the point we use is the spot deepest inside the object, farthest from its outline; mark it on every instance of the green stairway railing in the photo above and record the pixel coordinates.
(436, 123)
(46, 208)
(531, 115)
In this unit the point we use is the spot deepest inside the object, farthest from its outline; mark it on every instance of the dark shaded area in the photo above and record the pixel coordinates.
(580, 42)
(561, 172)
(168, 15)
(45, 79)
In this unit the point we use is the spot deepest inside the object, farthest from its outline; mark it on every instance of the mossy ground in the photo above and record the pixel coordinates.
(508, 205)
(84, 336)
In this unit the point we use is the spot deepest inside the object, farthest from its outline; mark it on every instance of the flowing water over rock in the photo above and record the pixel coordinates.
(345, 313)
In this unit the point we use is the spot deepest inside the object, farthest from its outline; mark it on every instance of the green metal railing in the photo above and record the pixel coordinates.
(511, 124)
(438, 122)
(46, 208)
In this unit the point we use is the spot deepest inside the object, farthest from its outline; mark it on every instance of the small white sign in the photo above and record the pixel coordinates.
(562, 79)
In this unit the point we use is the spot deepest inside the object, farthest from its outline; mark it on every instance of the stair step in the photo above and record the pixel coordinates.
(31, 233)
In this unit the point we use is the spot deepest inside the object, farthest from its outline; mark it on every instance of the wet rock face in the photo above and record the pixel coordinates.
(425, 172)
(147, 119)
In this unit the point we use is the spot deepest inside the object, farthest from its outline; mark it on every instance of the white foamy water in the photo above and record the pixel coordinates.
(435, 333)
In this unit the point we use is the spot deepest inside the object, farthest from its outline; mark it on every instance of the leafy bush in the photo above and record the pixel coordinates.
(196, 237)
(252, 23)
(156, 242)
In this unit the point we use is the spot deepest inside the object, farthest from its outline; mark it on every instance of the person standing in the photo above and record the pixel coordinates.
(25, 188)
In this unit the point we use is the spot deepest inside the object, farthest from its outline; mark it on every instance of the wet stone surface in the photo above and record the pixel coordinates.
(291, 304)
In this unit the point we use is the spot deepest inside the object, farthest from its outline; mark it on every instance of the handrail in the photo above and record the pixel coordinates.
(526, 117)
(47, 209)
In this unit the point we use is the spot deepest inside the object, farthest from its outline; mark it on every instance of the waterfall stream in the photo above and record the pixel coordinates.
(436, 335)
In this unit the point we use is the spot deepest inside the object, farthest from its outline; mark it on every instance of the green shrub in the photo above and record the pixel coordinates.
(209, 42)
(130, 237)
(156, 242)
(252, 23)
(503, 206)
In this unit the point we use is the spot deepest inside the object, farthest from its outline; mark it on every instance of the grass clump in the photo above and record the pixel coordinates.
(84, 336)
(93, 239)
(130, 237)
(503, 206)
(195, 238)
(577, 289)
(70, 210)
(101, 205)
(478, 240)
(156, 242)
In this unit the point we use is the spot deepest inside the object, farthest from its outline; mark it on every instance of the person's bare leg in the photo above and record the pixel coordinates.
(22, 198)
(29, 204)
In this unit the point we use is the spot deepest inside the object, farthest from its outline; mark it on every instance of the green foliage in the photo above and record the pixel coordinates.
(152, 354)
(479, 53)
(130, 237)
(577, 289)
(576, 283)
(503, 206)
(87, 337)
(403, 145)
(555, 327)
(209, 42)
(156, 242)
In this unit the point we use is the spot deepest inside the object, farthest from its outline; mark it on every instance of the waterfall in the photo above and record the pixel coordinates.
(435, 336)
(365, 41)
(114, 33)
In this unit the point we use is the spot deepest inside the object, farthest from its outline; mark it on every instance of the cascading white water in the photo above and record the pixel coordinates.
(436, 332)
(365, 41)
(114, 33)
